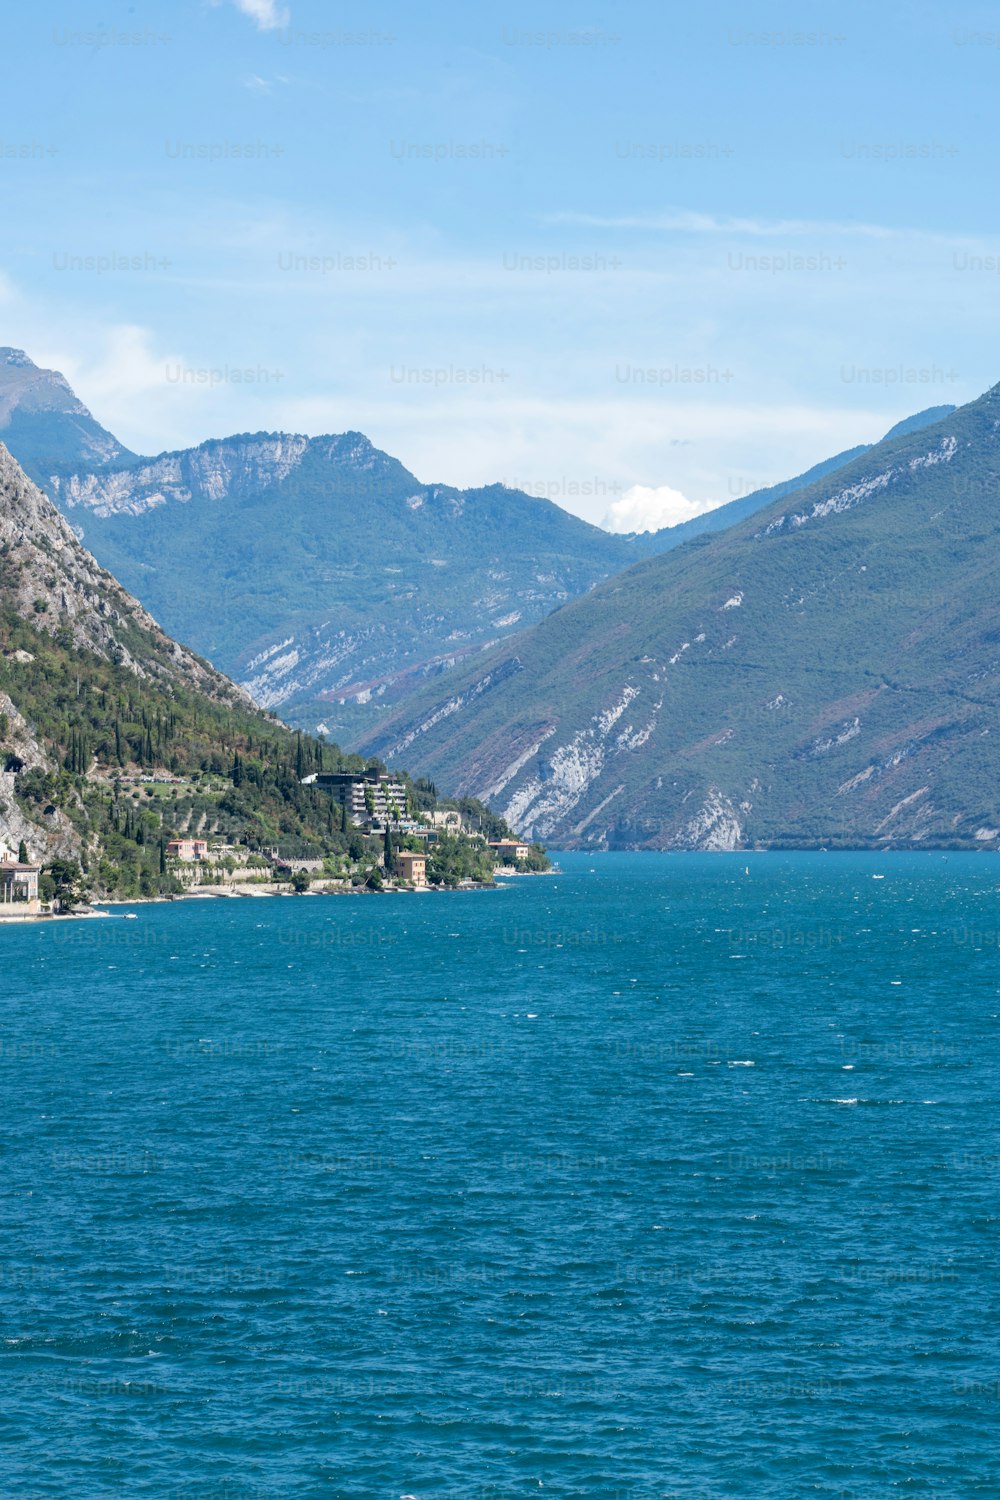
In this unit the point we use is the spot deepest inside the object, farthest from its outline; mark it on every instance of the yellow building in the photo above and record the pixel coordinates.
(413, 867)
(509, 851)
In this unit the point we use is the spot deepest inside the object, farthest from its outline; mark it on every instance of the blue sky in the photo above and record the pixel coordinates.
(635, 257)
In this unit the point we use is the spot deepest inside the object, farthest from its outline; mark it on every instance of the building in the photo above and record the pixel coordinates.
(509, 851)
(374, 799)
(18, 888)
(449, 819)
(188, 850)
(412, 867)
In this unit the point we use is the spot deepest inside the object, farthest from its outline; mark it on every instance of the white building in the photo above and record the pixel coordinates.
(373, 798)
(18, 886)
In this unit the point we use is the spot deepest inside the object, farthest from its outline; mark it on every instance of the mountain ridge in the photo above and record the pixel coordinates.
(320, 572)
(333, 566)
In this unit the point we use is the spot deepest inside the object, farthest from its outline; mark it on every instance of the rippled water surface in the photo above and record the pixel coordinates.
(662, 1176)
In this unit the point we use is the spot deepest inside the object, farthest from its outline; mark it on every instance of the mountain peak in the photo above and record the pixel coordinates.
(45, 422)
(24, 385)
(16, 357)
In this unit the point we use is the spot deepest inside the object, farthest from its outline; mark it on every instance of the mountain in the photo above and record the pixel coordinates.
(320, 572)
(824, 673)
(44, 424)
(324, 575)
(114, 739)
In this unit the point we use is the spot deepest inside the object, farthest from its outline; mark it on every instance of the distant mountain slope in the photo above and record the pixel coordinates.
(44, 424)
(920, 419)
(826, 672)
(650, 543)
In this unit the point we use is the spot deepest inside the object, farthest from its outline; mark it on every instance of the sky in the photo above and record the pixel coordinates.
(638, 258)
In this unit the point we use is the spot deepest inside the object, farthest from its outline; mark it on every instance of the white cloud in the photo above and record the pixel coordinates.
(648, 508)
(267, 15)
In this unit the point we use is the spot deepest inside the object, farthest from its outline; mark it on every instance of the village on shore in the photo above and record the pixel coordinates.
(400, 848)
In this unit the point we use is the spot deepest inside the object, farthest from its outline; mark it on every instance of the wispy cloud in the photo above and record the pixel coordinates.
(258, 85)
(266, 14)
(685, 221)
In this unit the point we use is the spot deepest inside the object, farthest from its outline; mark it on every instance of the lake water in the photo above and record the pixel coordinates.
(652, 1178)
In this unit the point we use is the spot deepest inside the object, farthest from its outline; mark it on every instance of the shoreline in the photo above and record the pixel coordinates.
(53, 916)
(103, 908)
(241, 893)
(97, 907)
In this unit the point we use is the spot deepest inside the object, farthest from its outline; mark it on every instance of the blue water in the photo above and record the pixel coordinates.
(652, 1178)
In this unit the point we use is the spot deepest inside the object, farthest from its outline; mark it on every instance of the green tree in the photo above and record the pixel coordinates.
(64, 883)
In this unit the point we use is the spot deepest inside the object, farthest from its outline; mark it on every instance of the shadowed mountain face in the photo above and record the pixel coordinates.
(826, 672)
